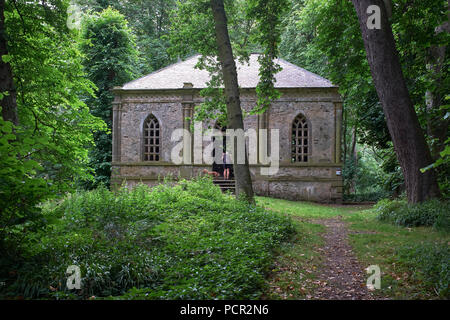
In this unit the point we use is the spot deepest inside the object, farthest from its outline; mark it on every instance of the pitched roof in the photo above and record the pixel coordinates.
(175, 75)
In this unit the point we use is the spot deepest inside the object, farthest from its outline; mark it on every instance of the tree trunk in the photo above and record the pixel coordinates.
(8, 103)
(234, 113)
(407, 136)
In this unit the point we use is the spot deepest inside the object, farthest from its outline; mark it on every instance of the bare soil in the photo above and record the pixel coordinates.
(340, 277)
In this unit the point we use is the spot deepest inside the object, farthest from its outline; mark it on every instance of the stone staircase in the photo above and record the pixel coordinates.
(225, 185)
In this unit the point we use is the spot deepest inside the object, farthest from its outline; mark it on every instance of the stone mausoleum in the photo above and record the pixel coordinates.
(308, 116)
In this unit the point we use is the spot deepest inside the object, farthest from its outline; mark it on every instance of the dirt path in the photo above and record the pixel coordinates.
(341, 277)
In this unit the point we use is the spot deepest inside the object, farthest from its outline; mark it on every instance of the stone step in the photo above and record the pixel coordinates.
(219, 181)
(225, 185)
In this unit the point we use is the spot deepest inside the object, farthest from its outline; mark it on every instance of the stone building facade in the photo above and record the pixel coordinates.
(308, 116)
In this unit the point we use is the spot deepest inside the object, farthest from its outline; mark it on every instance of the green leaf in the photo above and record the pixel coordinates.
(6, 58)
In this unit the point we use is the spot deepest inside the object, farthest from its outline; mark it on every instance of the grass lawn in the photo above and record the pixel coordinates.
(373, 242)
(293, 275)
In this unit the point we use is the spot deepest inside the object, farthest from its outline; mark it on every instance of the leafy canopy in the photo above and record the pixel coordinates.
(46, 154)
(110, 59)
(252, 25)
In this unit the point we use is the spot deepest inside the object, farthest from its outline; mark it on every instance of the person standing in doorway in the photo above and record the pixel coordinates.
(226, 165)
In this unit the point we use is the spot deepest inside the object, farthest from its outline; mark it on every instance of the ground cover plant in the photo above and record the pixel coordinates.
(176, 241)
(413, 260)
(432, 213)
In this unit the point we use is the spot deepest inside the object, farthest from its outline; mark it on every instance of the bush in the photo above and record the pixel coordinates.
(365, 197)
(20, 187)
(433, 213)
(187, 241)
(429, 263)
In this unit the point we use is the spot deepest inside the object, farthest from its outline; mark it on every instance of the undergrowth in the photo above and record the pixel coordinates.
(175, 241)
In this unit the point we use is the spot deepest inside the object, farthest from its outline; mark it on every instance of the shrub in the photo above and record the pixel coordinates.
(363, 197)
(432, 213)
(183, 241)
(20, 187)
(429, 263)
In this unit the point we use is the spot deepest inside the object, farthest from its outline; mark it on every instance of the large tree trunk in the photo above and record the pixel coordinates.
(8, 103)
(409, 141)
(234, 113)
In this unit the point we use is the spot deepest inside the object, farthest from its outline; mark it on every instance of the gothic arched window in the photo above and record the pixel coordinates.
(300, 139)
(152, 139)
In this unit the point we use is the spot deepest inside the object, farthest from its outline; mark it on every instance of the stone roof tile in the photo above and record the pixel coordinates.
(174, 76)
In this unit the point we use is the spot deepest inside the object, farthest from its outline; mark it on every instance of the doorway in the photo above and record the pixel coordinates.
(219, 167)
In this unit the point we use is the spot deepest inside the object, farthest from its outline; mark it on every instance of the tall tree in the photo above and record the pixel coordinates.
(309, 40)
(45, 153)
(224, 30)
(234, 112)
(110, 60)
(49, 81)
(409, 141)
(149, 20)
(7, 90)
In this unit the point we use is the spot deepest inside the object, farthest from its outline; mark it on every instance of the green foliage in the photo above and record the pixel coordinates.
(415, 27)
(267, 15)
(433, 213)
(251, 25)
(367, 178)
(443, 160)
(149, 21)
(20, 189)
(192, 30)
(182, 241)
(429, 263)
(365, 197)
(310, 40)
(46, 65)
(392, 180)
(110, 60)
(45, 154)
(324, 37)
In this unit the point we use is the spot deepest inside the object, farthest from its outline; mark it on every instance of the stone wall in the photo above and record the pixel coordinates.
(317, 180)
